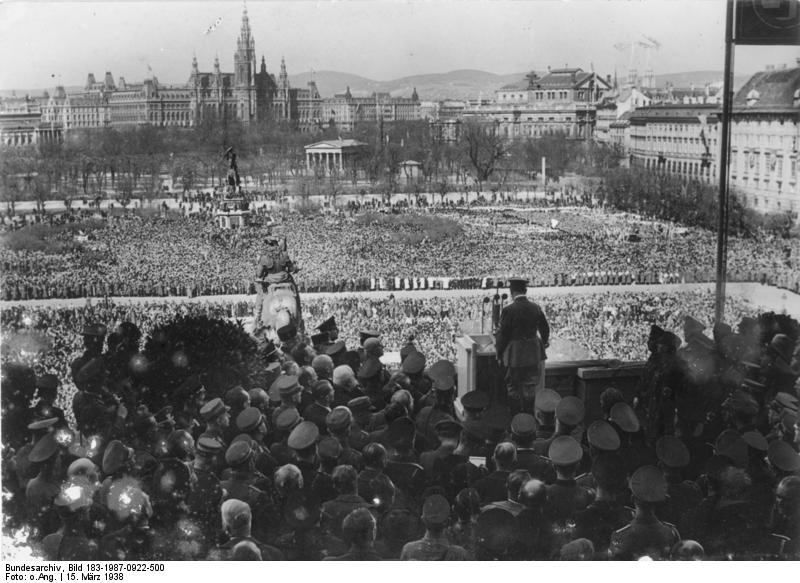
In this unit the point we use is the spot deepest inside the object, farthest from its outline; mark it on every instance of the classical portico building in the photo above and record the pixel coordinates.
(333, 155)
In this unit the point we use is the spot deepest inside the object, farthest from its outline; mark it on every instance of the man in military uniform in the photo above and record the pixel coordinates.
(94, 336)
(289, 390)
(331, 331)
(217, 418)
(646, 535)
(607, 512)
(523, 430)
(521, 340)
(274, 266)
(434, 546)
(565, 497)
(682, 495)
(345, 482)
(358, 529)
(318, 411)
(339, 423)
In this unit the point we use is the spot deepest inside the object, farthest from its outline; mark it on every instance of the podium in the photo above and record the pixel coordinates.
(477, 369)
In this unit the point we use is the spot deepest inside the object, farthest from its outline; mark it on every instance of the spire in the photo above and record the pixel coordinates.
(216, 63)
(414, 96)
(283, 67)
(194, 63)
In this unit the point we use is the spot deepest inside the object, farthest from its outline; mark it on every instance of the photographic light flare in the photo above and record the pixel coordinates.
(73, 493)
(27, 321)
(63, 437)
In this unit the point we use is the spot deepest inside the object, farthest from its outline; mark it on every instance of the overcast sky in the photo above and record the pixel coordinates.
(44, 43)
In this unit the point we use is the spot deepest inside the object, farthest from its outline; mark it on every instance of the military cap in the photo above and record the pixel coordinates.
(372, 346)
(475, 401)
(400, 432)
(546, 400)
(91, 371)
(742, 402)
(287, 385)
(328, 325)
(329, 448)
(755, 440)
(691, 326)
(286, 333)
(786, 401)
(317, 339)
(359, 404)
(288, 419)
(669, 339)
(243, 437)
(603, 436)
(98, 330)
(301, 511)
(570, 411)
(238, 453)
(258, 396)
(235, 513)
(517, 284)
(672, 452)
(43, 424)
(336, 348)
(625, 417)
(208, 445)
(648, 484)
(564, 450)
(237, 397)
(249, 419)
(340, 417)
(75, 493)
(369, 369)
(731, 445)
(782, 456)
(414, 363)
(366, 334)
(115, 456)
(303, 436)
(213, 409)
(435, 509)
(47, 381)
(782, 346)
(580, 549)
(447, 428)
(497, 417)
(44, 449)
(321, 388)
(523, 425)
(721, 329)
(442, 369)
(82, 467)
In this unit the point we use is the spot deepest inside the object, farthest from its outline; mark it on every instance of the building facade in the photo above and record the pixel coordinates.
(561, 102)
(765, 140)
(344, 111)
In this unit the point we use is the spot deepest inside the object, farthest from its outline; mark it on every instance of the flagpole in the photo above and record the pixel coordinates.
(722, 168)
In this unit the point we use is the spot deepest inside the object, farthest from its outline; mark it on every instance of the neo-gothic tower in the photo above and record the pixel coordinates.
(244, 76)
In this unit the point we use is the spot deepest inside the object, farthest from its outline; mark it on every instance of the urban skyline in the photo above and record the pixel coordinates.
(142, 39)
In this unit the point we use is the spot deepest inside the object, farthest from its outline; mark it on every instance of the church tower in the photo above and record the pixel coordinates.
(244, 85)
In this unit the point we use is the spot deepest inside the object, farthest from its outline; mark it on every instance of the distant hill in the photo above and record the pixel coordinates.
(461, 84)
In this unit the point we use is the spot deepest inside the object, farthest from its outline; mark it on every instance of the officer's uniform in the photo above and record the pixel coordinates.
(435, 512)
(645, 535)
(520, 342)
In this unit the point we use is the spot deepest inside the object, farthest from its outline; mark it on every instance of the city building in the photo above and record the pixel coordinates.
(562, 101)
(344, 111)
(765, 140)
(334, 156)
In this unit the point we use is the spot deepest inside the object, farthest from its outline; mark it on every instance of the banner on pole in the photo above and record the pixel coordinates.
(767, 22)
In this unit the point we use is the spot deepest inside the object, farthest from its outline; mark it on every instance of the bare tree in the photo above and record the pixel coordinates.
(483, 147)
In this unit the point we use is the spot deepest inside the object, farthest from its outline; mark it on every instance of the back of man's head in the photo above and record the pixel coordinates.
(358, 527)
(533, 495)
(345, 479)
(374, 455)
(515, 481)
(505, 454)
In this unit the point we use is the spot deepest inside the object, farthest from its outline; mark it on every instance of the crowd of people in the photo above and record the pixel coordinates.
(144, 255)
(335, 456)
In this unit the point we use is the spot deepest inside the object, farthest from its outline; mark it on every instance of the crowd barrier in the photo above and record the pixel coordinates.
(599, 278)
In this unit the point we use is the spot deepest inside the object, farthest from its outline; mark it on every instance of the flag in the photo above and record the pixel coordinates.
(767, 22)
